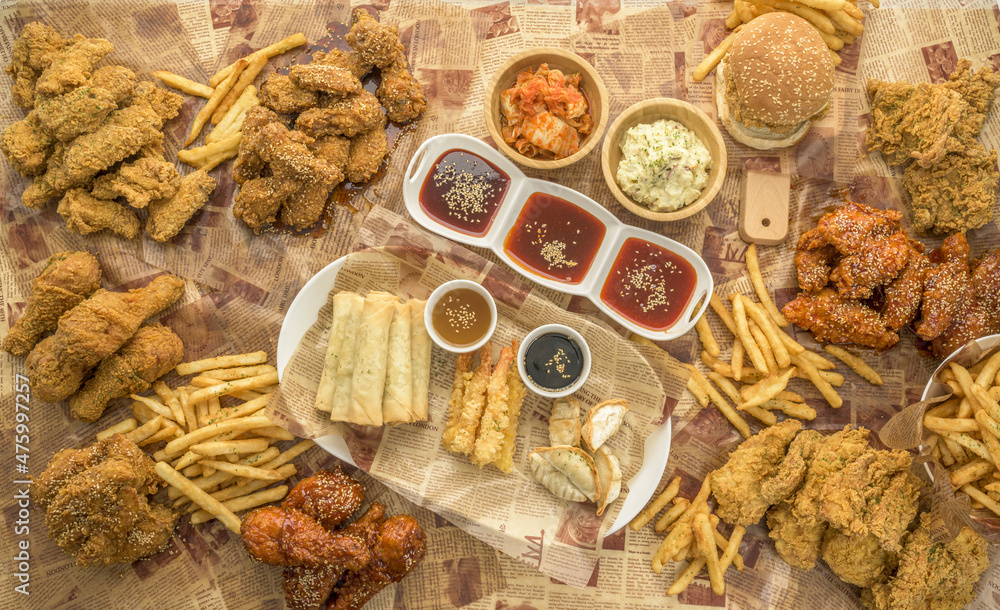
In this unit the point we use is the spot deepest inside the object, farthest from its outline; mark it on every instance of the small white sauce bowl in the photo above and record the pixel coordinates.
(444, 289)
(572, 334)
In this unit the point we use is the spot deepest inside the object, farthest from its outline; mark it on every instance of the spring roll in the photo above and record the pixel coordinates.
(344, 305)
(420, 348)
(370, 359)
(397, 402)
(340, 409)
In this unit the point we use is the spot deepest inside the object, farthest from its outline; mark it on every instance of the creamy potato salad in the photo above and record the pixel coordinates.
(664, 165)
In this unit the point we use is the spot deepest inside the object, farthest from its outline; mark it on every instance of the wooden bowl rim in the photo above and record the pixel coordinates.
(711, 189)
(492, 95)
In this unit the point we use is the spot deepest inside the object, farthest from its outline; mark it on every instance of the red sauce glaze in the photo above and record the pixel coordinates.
(463, 191)
(649, 285)
(555, 239)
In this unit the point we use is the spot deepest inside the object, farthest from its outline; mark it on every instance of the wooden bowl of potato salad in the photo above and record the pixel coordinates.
(663, 159)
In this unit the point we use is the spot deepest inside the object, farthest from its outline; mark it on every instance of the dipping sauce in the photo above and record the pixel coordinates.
(461, 317)
(463, 191)
(553, 361)
(649, 285)
(555, 238)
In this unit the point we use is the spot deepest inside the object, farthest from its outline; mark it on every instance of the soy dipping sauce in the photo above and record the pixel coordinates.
(553, 361)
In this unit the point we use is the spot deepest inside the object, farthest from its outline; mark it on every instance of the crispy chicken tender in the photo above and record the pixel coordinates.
(858, 560)
(348, 116)
(366, 153)
(248, 164)
(982, 316)
(86, 214)
(400, 93)
(32, 53)
(956, 194)
(259, 200)
(91, 331)
(27, 146)
(853, 226)
(169, 215)
(78, 112)
(948, 290)
(904, 294)
(834, 318)
(72, 64)
(328, 79)
(347, 60)
(118, 80)
(796, 542)
(857, 275)
(166, 104)
(281, 95)
(150, 354)
(287, 537)
(139, 182)
(978, 89)
(68, 279)
(335, 150)
(375, 43)
(97, 503)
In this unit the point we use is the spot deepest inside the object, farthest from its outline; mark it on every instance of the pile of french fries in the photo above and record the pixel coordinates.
(775, 358)
(692, 536)
(217, 460)
(966, 431)
(230, 93)
(839, 23)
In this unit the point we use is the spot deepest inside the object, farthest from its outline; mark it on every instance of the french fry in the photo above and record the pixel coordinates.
(247, 502)
(988, 424)
(834, 57)
(186, 85)
(197, 366)
(647, 513)
(154, 406)
(246, 445)
(764, 390)
(824, 386)
(274, 432)
(712, 59)
(732, 551)
(820, 20)
(241, 470)
(145, 431)
(824, 5)
(720, 310)
(770, 329)
(743, 328)
(670, 545)
(122, 427)
(736, 362)
(170, 399)
(835, 43)
(982, 498)
(686, 576)
(964, 440)
(241, 372)
(791, 409)
(858, 365)
(179, 445)
(734, 418)
(992, 444)
(196, 156)
(845, 22)
(232, 121)
(199, 497)
(208, 482)
(228, 387)
(853, 11)
(671, 515)
(214, 100)
(963, 377)
(950, 424)
(142, 413)
(733, 19)
(973, 471)
(743, 12)
(818, 361)
(753, 267)
(699, 393)
(708, 341)
(764, 346)
(295, 40)
(705, 542)
(247, 76)
(989, 370)
(165, 433)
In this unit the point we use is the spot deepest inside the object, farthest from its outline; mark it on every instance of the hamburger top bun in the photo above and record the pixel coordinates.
(781, 69)
(757, 137)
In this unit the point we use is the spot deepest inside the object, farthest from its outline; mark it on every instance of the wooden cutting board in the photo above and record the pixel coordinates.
(764, 209)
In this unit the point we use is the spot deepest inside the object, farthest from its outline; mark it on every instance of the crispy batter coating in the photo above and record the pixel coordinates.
(152, 351)
(813, 260)
(32, 53)
(27, 146)
(335, 150)
(978, 89)
(982, 316)
(460, 434)
(139, 182)
(857, 275)
(78, 112)
(834, 318)
(904, 294)
(400, 93)
(955, 195)
(68, 279)
(375, 43)
(168, 216)
(948, 290)
(796, 542)
(166, 104)
(347, 116)
(366, 153)
(281, 95)
(72, 64)
(328, 79)
(118, 80)
(493, 425)
(259, 200)
(86, 214)
(858, 560)
(348, 60)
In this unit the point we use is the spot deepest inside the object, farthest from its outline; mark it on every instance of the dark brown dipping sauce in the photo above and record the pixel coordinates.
(555, 238)
(463, 191)
(553, 361)
(649, 285)
(461, 317)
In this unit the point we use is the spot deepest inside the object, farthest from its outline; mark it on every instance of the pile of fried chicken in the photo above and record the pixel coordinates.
(97, 503)
(837, 498)
(339, 131)
(863, 280)
(328, 564)
(93, 328)
(952, 180)
(93, 139)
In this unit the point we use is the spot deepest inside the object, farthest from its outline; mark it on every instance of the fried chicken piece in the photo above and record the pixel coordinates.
(118, 80)
(978, 90)
(904, 294)
(91, 331)
(956, 194)
(756, 466)
(857, 275)
(982, 316)
(831, 317)
(287, 537)
(932, 575)
(347, 116)
(248, 164)
(328, 79)
(796, 542)
(139, 182)
(328, 497)
(166, 104)
(400, 93)
(874, 494)
(401, 546)
(367, 151)
(27, 146)
(280, 94)
(86, 214)
(948, 290)
(97, 505)
(304, 207)
(829, 457)
(72, 64)
(858, 560)
(851, 227)
(32, 53)
(168, 216)
(68, 279)
(368, 525)
(152, 351)
(78, 112)
(259, 200)
(335, 150)
(347, 60)
(915, 121)
(375, 43)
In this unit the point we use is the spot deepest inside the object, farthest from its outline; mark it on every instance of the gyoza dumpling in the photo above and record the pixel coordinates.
(577, 465)
(603, 421)
(564, 422)
(553, 480)
(609, 474)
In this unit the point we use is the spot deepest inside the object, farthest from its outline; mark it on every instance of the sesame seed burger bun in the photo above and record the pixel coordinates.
(776, 79)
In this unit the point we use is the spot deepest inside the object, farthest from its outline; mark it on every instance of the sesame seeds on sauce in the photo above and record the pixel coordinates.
(553, 361)
(461, 317)
(649, 285)
(555, 239)
(463, 191)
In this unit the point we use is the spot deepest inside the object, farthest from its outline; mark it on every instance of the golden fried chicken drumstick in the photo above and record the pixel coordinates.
(91, 331)
(287, 537)
(68, 278)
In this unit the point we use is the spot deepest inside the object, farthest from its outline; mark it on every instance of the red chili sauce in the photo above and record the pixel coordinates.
(649, 285)
(555, 238)
(463, 191)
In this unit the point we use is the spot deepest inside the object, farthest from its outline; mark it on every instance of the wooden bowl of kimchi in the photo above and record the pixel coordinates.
(553, 134)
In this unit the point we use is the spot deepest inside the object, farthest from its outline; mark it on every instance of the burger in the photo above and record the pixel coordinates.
(774, 82)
